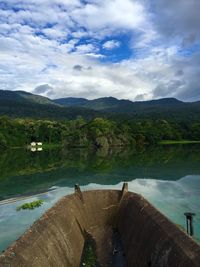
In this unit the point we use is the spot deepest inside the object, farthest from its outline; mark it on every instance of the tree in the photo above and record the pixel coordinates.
(3, 142)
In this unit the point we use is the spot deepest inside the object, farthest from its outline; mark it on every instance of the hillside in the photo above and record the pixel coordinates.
(116, 105)
(103, 122)
(23, 97)
(25, 105)
(166, 108)
(71, 101)
(35, 98)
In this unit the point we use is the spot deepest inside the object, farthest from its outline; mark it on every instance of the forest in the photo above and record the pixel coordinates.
(97, 132)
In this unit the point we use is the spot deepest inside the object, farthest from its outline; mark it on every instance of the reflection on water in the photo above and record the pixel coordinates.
(169, 177)
(23, 172)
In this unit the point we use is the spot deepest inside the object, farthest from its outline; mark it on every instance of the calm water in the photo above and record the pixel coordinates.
(168, 176)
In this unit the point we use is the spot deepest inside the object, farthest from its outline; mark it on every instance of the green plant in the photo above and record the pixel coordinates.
(30, 205)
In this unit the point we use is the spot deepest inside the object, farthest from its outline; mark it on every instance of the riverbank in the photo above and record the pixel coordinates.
(178, 142)
(163, 142)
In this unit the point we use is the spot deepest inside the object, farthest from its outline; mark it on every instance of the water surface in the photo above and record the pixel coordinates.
(168, 176)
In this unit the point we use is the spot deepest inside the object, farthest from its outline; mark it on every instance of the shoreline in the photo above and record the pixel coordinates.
(178, 142)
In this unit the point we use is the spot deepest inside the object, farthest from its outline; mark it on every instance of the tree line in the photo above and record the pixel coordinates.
(98, 132)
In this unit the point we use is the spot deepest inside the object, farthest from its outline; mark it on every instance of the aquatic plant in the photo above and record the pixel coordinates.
(30, 205)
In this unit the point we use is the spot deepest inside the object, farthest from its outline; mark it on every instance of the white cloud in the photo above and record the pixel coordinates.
(86, 48)
(120, 14)
(111, 44)
(41, 43)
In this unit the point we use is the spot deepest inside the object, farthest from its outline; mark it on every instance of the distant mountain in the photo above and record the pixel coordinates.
(140, 106)
(114, 104)
(107, 103)
(165, 108)
(35, 98)
(24, 104)
(162, 101)
(96, 104)
(71, 101)
(22, 96)
(27, 105)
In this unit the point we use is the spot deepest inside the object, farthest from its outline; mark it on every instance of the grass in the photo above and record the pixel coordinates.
(30, 205)
(181, 142)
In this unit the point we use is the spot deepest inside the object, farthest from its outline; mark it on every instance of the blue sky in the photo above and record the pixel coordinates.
(132, 49)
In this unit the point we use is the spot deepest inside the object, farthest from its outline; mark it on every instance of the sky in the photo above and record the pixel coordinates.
(128, 49)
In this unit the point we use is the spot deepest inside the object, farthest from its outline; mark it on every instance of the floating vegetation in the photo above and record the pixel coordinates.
(30, 205)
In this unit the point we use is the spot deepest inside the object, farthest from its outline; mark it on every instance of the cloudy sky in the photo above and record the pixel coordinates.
(132, 49)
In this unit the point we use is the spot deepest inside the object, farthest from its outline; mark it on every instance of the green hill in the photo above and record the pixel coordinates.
(166, 108)
(71, 101)
(25, 105)
(35, 98)
(116, 105)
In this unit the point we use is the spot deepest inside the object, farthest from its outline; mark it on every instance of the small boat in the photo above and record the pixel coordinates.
(126, 230)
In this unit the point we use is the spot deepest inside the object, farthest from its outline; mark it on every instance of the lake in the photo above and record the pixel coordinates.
(167, 176)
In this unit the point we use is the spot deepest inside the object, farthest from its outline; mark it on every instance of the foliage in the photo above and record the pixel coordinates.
(30, 205)
(119, 123)
(98, 132)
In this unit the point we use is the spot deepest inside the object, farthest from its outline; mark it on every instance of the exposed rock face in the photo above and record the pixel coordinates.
(148, 237)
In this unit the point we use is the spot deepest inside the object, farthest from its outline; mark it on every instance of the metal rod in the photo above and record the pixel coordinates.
(189, 222)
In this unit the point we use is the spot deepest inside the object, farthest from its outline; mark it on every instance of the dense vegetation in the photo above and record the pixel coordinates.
(98, 132)
(104, 122)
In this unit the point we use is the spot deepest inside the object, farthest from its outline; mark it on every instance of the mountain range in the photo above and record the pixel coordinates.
(24, 104)
(113, 104)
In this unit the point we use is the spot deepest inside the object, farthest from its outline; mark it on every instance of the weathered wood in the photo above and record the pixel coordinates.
(148, 237)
